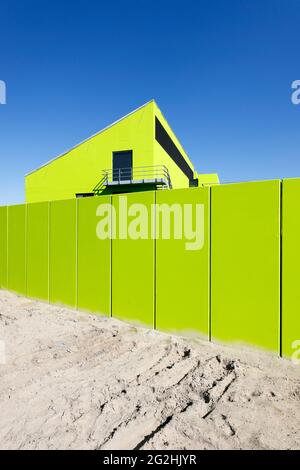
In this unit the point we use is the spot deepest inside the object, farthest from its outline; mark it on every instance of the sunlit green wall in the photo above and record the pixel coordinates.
(240, 286)
(16, 248)
(80, 169)
(178, 178)
(291, 267)
(182, 275)
(38, 250)
(63, 252)
(133, 267)
(94, 255)
(3, 247)
(245, 263)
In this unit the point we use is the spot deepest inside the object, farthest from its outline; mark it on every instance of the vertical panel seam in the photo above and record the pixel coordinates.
(7, 247)
(25, 241)
(76, 256)
(111, 255)
(280, 264)
(209, 266)
(155, 266)
(49, 249)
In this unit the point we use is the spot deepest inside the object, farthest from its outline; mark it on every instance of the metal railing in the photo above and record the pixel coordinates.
(156, 174)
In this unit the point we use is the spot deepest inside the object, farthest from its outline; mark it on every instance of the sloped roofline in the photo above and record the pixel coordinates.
(89, 138)
(189, 161)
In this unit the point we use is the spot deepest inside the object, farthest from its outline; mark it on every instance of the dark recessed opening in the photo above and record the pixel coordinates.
(168, 145)
(122, 165)
(80, 195)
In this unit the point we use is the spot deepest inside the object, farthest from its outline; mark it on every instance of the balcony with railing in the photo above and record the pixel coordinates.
(156, 176)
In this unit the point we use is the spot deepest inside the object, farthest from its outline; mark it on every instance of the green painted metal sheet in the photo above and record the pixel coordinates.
(182, 279)
(80, 169)
(94, 274)
(133, 265)
(290, 268)
(38, 250)
(16, 249)
(63, 252)
(245, 263)
(3, 247)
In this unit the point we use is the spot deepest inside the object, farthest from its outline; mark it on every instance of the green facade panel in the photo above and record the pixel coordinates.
(3, 247)
(182, 264)
(38, 250)
(215, 271)
(17, 249)
(133, 262)
(290, 268)
(94, 273)
(245, 263)
(80, 169)
(63, 252)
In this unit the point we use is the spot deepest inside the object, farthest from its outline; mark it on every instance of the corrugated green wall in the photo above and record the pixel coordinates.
(17, 249)
(63, 252)
(3, 247)
(133, 266)
(182, 275)
(290, 267)
(94, 272)
(245, 263)
(242, 285)
(38, 250)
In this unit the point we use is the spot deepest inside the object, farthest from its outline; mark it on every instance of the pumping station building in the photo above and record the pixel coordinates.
(139, 152)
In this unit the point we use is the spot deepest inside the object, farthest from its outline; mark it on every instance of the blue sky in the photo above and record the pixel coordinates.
(221, 72)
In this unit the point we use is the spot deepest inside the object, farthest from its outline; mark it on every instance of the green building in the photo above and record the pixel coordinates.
(138, 152)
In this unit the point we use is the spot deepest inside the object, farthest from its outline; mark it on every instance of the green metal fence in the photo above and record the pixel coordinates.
(182, 276)
(240, 285)
(245, 263)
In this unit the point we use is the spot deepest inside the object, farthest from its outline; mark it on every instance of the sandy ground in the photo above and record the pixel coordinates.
(78, 381)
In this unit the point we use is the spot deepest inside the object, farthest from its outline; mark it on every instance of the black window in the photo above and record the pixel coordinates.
(122, 165)
(168, 145)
